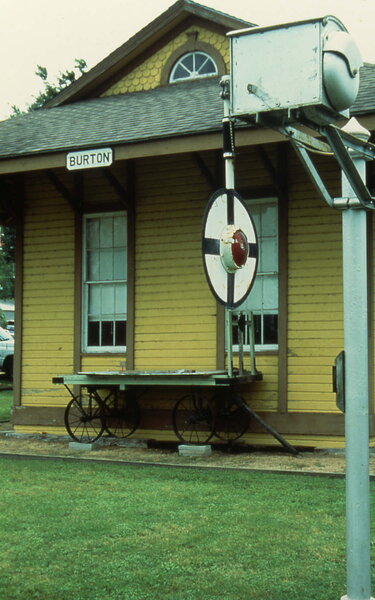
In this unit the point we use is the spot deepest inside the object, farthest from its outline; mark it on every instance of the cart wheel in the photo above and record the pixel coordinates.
(231, 420)
(193, 419)
(122, 414)
(84, 417)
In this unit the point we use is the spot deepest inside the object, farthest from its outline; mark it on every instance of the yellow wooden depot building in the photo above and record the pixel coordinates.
(109, 273)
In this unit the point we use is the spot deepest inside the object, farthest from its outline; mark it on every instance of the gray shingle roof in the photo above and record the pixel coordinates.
(365, 102)
(172, 111)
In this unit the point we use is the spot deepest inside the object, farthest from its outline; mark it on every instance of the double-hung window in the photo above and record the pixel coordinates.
(104, 282)
(263, 299)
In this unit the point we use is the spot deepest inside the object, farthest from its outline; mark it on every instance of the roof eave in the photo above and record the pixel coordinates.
(205, 140)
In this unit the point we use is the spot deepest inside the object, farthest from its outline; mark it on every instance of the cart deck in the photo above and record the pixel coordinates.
(183, 377)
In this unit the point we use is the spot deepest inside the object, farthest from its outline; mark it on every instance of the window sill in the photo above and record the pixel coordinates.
(121, 353)
(258, 353)
(258, 350)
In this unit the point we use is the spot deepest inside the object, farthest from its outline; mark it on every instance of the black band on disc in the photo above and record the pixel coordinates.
(211, 246)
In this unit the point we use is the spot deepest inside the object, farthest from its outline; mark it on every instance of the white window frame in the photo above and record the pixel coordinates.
(258, 202)
(192, 74)
(86, 286)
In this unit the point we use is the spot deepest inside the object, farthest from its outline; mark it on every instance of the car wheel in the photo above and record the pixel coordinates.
(8, 367)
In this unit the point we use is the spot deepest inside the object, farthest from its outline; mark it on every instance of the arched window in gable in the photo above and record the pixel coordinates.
(193, 65)
(193, 60)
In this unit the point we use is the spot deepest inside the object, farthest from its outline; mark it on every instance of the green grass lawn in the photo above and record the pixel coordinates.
(108, 532)
(6, 402)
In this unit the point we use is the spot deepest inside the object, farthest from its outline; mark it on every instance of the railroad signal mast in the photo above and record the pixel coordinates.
(291, 77)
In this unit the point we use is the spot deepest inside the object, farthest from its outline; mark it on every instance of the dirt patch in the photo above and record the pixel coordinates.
(239, 457)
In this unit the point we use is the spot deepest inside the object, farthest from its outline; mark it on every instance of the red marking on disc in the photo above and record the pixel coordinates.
(240, 248)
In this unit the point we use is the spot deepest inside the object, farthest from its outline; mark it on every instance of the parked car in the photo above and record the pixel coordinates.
(6, 352)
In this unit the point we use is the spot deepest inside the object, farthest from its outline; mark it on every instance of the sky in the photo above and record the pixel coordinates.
(53, 34)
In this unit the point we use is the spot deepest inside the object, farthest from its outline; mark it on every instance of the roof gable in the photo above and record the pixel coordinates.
(154, 70)
(173, 21)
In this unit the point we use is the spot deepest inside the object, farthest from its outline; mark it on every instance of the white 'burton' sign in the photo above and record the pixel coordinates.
(89, 159)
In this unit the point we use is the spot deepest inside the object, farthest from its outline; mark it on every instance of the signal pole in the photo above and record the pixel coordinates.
(228, 156)
(355, 278)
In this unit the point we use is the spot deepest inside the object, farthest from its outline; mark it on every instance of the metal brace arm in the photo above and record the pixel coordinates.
(300, 142)
(338, 142)
(314, 175)
(342, 155)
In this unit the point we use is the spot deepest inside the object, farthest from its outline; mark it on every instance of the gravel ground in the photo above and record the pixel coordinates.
(240, 457)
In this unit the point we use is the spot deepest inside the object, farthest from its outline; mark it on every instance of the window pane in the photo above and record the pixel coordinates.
(269, 220)
(199, 59)
(92, 233)
(107, 333)
(255, 213)
(187, 62)
(119, 266)
(254, 299)
(93, 338)
(94, 300)
(120, 299)
(119, 232)
(180, 73)
(204, 65)
(106, 265)
(120, 333)
(92, 265)
(108, 300)
(270, 329)
(106, 233)
(270, 292)
(269, 261)
(207, 67)
(257, 329)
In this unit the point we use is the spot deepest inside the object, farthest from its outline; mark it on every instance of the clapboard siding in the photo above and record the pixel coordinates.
(112, 362)
(263, 395)
(48, 293)
(315, 328)
(98, 192)
(175, 314)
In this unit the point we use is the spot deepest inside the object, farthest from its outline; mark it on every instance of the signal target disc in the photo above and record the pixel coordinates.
(229, 248)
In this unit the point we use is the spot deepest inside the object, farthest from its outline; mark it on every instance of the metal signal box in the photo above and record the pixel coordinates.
(309, 67)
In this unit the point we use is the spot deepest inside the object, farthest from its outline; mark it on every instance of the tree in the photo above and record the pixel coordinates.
(52, 89)
(7, 268)
(7, 234)
(8, 243)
